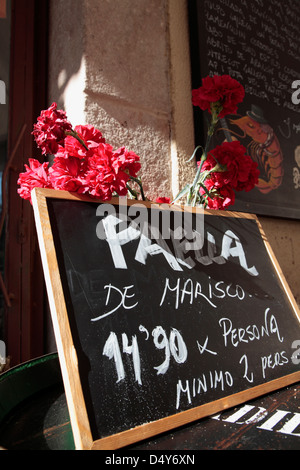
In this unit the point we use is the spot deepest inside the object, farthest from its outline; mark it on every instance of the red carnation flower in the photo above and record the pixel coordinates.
(163, 200)
(101, 178)
(90, 135)
(236, 169)
(126, 160)
(74, 148)
(222, 200)
(221, 89)
(66, 173)
(251, 181)
(35, 176)
(49, 132)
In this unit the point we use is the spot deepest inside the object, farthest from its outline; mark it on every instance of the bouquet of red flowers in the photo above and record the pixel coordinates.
(83, 161)
(86, 164)
(225, 169)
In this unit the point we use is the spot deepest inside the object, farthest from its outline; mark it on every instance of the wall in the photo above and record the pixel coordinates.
(126, 70)
(113, 67)
(283, 236)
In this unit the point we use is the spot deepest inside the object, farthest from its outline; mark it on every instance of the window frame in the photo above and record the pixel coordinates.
(24, 318)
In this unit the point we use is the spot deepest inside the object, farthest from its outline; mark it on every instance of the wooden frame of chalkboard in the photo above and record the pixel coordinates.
(222, 335)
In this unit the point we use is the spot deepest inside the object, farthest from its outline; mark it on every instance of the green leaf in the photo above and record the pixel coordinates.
(205, 189)
(184, 191)
(194, 153)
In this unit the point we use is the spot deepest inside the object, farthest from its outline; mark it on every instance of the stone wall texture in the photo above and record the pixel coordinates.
(111, 65)
(123, 66)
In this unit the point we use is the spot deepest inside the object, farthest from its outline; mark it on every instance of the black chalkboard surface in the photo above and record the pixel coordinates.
(258, 44)
(162, 315)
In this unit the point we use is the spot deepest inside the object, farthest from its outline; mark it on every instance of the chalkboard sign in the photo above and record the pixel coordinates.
(162, 314)
(258, 44)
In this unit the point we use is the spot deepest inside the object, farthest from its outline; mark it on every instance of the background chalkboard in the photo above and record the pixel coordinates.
(257, 43)
(172, 318)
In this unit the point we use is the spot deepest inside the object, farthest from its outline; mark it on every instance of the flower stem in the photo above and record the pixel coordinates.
(136, 180)
(132, 192)
(210, 132)
(76, 136)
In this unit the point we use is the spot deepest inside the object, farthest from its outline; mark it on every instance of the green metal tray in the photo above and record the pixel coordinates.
(33, 410)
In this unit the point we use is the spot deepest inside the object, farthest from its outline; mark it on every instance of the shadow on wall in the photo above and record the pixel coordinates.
(109, 67)
(66, 54)
(110, 53)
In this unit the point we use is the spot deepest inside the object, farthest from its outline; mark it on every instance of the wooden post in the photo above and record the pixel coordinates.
(2, 8)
